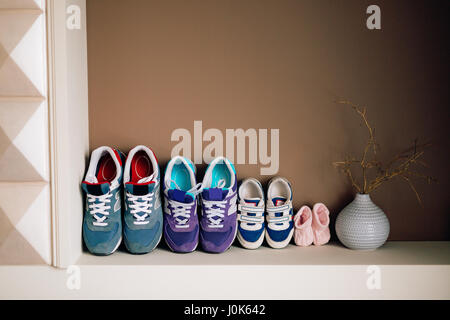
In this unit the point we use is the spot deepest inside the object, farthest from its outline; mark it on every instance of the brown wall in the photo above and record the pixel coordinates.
(155, 66)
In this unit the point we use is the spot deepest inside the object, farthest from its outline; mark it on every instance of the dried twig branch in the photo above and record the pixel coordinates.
(345, 167)
(371, 142)
(413, 189)
(400, 165)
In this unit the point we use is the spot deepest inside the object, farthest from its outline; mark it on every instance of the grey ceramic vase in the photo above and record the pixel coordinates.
(361, 225)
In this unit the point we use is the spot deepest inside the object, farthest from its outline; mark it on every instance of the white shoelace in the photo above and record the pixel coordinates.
(182, 211)
(99, 208)
(140, 204)
(212, 213)
(219, 211)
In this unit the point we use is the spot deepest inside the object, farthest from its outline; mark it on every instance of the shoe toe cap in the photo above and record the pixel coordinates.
(101, 242)
(181, 241)
(142, 240)
(250, 235)
(217, 241)
(279, 235)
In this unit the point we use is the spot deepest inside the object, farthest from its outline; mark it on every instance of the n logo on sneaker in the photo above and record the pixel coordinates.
(117, 204)
(157, 198)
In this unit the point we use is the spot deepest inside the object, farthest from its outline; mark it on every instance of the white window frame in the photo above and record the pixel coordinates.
(69, 128)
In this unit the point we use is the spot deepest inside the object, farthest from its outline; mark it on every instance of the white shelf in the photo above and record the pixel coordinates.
(392, 253)
(407, 270)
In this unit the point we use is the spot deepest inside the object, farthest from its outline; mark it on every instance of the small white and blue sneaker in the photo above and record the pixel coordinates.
(279, 217)
(250, 217)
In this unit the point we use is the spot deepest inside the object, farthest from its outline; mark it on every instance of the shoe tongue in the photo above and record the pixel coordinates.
(278, 201)
(140, 189)
(214, 194)
(180, 195)
(96, 189)
(252, 201)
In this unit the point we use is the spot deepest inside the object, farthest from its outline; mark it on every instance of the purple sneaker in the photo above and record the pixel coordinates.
(218, 223)
(180, 210)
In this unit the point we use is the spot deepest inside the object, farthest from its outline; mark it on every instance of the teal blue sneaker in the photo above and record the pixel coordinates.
(143, 217)
(102, 220)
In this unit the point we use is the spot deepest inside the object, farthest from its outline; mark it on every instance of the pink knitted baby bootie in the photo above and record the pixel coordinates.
(320, 224)
(303, 233)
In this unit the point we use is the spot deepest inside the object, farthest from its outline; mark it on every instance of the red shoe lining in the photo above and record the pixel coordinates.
(107, 169)
(141, 166)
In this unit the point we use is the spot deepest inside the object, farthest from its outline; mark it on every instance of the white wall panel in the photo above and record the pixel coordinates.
(25, 235)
